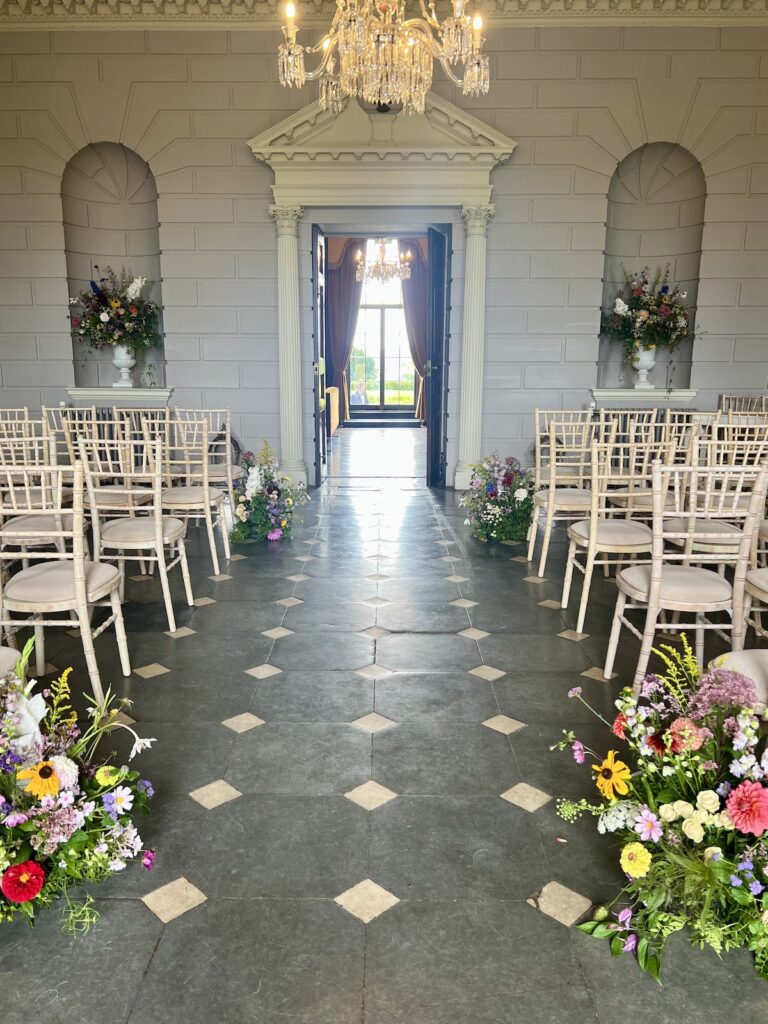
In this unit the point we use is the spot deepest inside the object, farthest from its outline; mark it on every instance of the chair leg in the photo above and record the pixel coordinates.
(613, 642)
(163, 573)
(122, 639)
(212, 540)
(39, 649)
(185, 573)
(568, 574)
(588, 570)
(649, 631)
(86, 635)
(224, 531)
(739, 623)
(121, 567)
(545, 546)
(533, 531)
(700, 639)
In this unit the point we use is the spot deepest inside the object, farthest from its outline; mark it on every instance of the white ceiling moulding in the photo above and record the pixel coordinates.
(362, 158)
(169, 14)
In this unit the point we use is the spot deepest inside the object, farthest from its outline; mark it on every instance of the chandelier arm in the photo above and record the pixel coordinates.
(310, 76)
(447, 69)
(428, 16)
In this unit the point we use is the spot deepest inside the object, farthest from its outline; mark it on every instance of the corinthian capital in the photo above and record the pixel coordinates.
(286, 219)
(476, 218)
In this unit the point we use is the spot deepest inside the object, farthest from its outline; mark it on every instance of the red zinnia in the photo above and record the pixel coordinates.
(619, 725)
(133, 310)
(22, 882)
(656, 743)
(748, 807)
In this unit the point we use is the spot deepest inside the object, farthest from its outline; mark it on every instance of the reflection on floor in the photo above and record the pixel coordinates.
(378, 452)
(353, 771)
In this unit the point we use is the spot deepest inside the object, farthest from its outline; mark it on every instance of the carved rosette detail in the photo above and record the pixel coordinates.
(476, 218)
(287, 219)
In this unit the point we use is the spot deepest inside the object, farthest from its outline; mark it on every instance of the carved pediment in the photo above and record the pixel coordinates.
(441, 157)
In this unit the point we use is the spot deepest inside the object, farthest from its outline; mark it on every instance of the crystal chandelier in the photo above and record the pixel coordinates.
(382, 267)
(372, 50)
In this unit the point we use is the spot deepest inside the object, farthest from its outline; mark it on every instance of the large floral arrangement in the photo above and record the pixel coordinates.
(499, 501)
(689, 807)
(265, 504)
(65, 816)
(112, 312)
(647, 314)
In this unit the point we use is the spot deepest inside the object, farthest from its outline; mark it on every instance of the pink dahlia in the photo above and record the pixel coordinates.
(748, 808)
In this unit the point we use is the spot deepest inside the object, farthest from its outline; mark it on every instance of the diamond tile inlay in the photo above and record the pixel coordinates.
(559, 902)
(571, 634)
(202, 602)
(366, 900)
(370, 795)
(473, 634)
(377, 602)
(289, 602)
(140, 579)
(180, 633)
(277, 633)
(373, 723)
(243, 722)
(263, 671)
(487, 672)
(215, 794)
(462, 602)
(373, 672)
(520, 558)
(377, 576)
(237, 558)
(375, 632)
(221, 578)
(527, 797)
(504, 724)
(549, 603)
(457, 579)
(150, 671)
(174, 899)
(298, 577)
(597, 673)
(534, 579)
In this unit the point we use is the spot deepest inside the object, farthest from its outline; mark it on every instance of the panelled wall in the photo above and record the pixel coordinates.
(576, 100)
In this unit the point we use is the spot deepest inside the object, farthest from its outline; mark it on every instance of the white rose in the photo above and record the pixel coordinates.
(104, 317)
(620, 307)
(723, 820)
(521, 494)
(711, 853)
(667, 812)
(134, 288)
(693, 830)
(708, 800)
(683, 808)
(699, 815)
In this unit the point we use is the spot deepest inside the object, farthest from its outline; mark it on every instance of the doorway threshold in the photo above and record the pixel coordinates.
(383, 421)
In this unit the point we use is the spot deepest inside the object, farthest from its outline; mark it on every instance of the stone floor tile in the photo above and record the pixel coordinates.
(374, 632)
(562, 904)
(263, 671)
(473, 634)
(174, 899)
(289, 602)
(549, 603)
(243, 722)
(150, 671)
(377, 602)
(373, 723)
(571, 634)
(373, 672)
(215, 794)
(203, 602)
(527, 797)
(457, 579)
(487, 672)
(366, 901)
(180, 633)
(237, 558)
(298, 577)
(370, 795)
(277, 633)
(222, 577)
(503, 724)
(462, 602)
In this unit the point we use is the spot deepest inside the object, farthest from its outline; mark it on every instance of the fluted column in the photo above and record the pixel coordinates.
(473, 343)
(286, 220)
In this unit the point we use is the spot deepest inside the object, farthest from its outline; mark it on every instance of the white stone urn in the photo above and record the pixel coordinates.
(643, 361)
(125, 361)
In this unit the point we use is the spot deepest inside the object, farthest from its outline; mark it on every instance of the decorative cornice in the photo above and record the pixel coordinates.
(224, 14)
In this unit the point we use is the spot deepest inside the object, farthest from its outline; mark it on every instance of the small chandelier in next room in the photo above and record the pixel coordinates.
(372, 50)
(384, 266)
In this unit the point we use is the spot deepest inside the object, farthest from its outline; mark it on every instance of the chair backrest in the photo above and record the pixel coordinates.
(66, 424)
(731, 445)
(571, 420)
(624, 425)
(35, 491)
(27, 449)
(625, 466)
(220, 431)
(742, 403)
(132, 421)
(187, 459)
(9, 415)
(569, 451)
(684, 496)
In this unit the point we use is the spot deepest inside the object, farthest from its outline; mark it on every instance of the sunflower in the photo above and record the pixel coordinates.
(41, 779)
(612, 776)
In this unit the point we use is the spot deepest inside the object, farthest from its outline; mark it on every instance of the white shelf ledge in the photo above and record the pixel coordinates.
(139, 397)
(649, 395)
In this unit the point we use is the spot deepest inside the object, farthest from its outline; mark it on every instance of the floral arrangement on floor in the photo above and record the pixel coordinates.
(266, 505)
(112, 312)
(689, 806)
(65, 816)
(648, 314)
(499, 501)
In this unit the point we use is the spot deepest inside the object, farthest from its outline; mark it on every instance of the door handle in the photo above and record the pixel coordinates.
(428, 368)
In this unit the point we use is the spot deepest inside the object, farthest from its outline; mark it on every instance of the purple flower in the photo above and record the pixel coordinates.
(146, 788)
(577, 748)
(756, 888)
(723, 789)
(745, 865)
(575, 691)
(735, 881)
(275, 534)
(722, 689)
(148, 860)
(631, 944)
(12, 820)
(9, 761)
(648, 826)
(625, 917)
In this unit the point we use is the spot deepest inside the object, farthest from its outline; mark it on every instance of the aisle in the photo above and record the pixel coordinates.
(355, 808)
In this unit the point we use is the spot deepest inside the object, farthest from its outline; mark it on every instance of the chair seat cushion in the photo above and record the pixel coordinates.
(139, 531)
(639, 497)
(31, 529)
(682, 585)
(757, 582)
(614, 533)
(191, 497)
(52, 584)
(566, 497)
(118, 496)
(753, 664)
(705, 532)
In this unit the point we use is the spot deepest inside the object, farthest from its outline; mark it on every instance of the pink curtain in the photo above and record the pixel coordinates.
(342, 297)
(416, 309)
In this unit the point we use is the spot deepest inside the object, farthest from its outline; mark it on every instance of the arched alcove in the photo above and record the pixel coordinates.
(109, 201)
(655, 217)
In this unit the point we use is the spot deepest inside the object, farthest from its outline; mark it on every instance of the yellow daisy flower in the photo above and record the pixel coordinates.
(41, 779)
(612, 776)
(107, 775)
(114, 303)
(635, 860)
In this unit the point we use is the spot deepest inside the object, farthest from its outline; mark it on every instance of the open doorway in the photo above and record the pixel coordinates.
(381, 343)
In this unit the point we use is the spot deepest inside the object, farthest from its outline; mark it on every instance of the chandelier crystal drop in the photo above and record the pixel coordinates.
(372, 50)
(384, 267)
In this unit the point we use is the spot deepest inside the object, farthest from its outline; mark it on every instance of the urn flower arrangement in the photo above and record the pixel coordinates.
(112, 313)
(688, 804)
(499, 501)
(265, 502)
(66, 815)
(647, 315)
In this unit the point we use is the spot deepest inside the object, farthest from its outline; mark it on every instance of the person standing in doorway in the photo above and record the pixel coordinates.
(359, 397)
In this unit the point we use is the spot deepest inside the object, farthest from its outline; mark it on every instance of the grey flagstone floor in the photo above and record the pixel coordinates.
(355, 818)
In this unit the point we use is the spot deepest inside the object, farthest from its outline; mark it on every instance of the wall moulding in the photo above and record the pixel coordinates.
(169, 14)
